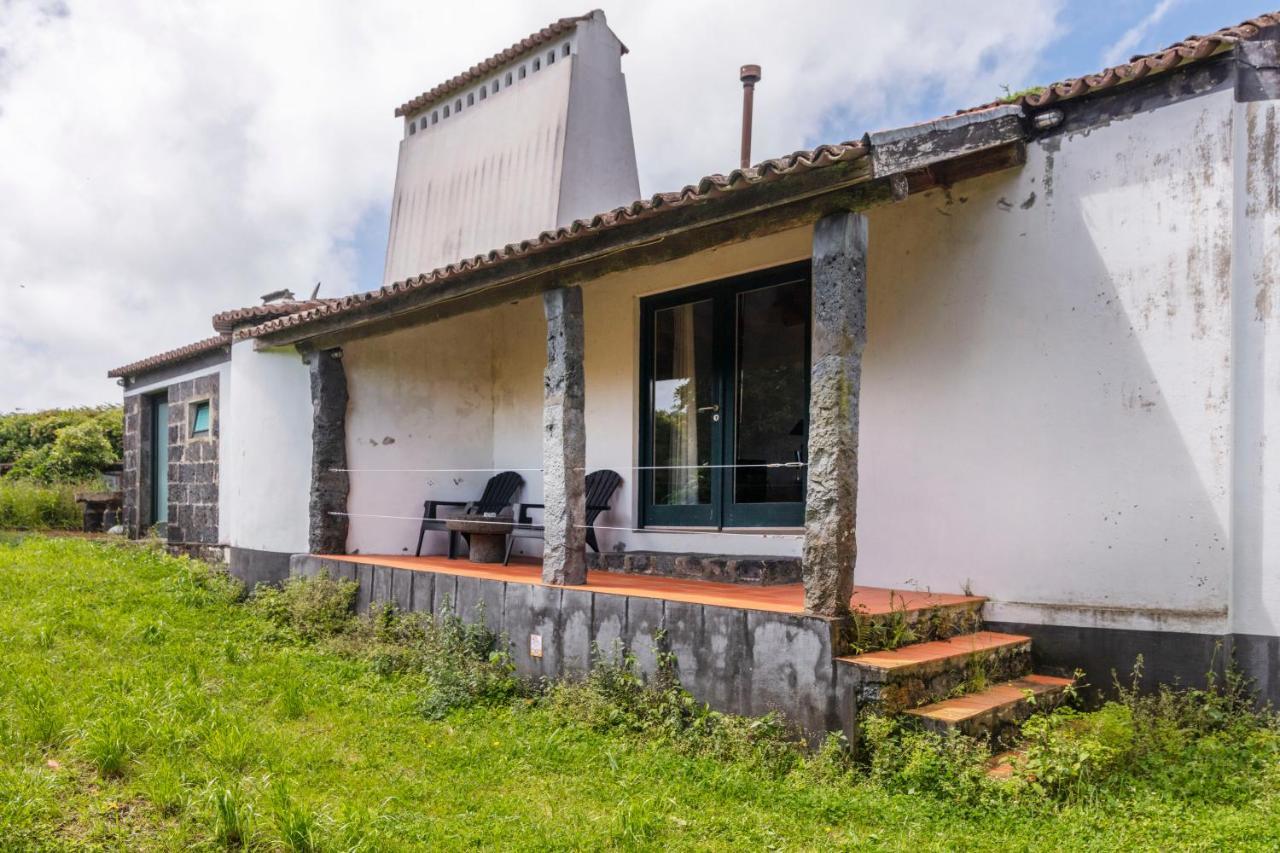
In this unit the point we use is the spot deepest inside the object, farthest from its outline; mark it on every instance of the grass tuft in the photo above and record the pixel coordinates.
(144, 705)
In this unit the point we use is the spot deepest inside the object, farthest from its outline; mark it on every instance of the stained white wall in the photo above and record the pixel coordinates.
(421, 398)
(599, 153)
(1049, 409)
(266, 451)
(1255, 594)
(1046, 404)
(467, 392)
(553, 146)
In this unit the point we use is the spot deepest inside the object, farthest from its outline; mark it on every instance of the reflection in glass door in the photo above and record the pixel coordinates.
(685, 413)
(771, 404)
(725, 395)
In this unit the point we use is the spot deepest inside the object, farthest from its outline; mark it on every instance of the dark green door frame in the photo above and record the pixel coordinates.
(722, 510)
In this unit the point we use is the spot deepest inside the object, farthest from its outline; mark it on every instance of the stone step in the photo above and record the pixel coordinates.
(994, 714)
(920, 673)
(883, 618)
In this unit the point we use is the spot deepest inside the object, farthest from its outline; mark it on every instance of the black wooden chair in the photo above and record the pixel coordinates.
(499, 493)
(600, 488)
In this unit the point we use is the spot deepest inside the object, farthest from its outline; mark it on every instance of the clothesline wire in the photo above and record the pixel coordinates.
(539, 469)
(511, 525)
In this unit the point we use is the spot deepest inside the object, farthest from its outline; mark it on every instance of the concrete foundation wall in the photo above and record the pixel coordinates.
(740, 661)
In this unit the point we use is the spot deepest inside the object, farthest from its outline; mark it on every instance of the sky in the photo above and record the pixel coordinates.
(161, 162)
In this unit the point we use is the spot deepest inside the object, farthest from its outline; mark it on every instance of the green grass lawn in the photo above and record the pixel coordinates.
(141, 707)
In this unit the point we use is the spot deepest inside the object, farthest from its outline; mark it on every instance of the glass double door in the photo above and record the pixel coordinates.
(725, 391)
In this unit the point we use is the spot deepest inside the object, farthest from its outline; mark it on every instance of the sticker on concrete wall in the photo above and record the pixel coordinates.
(535, 645)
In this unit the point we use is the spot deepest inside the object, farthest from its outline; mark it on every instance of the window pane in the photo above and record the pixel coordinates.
(772, 397)
(683, 404)
(200, 418)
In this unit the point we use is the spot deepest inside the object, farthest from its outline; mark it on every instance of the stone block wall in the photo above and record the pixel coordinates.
(193, 464)
(708, 567)
(136, 476)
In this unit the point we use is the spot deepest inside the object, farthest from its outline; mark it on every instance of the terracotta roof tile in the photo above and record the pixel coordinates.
(173, 356)
(706, 190)
(480, 69)
(1192, 49)
(226, 321)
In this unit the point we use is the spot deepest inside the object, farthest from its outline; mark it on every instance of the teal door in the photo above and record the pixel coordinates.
(159, 460)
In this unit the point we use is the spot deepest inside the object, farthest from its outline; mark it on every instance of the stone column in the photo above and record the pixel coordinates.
(839, 335)
(564, 441)
(329, 487)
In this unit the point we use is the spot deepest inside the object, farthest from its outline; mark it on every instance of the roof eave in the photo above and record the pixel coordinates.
(887, 167)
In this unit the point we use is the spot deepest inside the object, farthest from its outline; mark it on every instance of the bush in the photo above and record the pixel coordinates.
(31, 506)
(199, 584)
(901, 758)
(615, 697)
(462, 664)
(78, 452)
(309, 609)
(1192, 742)
(24, 431)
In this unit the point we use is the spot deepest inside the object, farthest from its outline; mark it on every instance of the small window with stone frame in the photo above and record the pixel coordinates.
(201, 418)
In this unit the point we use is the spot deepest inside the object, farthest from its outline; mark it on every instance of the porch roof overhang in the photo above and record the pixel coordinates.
(773, 196)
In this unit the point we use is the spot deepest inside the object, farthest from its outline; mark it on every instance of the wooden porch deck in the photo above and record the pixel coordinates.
(780, 598)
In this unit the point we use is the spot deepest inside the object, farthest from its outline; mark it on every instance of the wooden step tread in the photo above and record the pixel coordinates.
(915, 654)
(994, 698)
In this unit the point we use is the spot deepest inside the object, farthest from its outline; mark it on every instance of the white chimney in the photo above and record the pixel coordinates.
(528, 140)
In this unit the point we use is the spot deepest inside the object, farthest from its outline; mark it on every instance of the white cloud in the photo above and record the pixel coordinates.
(1133, 37)
(163, 161)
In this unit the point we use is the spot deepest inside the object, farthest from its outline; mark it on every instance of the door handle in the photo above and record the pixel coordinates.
(714, 407)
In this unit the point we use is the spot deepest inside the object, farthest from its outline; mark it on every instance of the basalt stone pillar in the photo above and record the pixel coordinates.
(329, 479)
(839, 336)
(564, 441)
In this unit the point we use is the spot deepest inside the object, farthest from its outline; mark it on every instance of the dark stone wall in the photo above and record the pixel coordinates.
(329, 482)
(135, 479)
(131, 477)
(193, 464)
(726, 568)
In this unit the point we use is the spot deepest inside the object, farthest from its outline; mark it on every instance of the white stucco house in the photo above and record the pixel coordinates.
(1025, 353)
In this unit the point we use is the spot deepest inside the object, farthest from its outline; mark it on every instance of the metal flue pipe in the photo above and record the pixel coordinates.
(749, 75)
